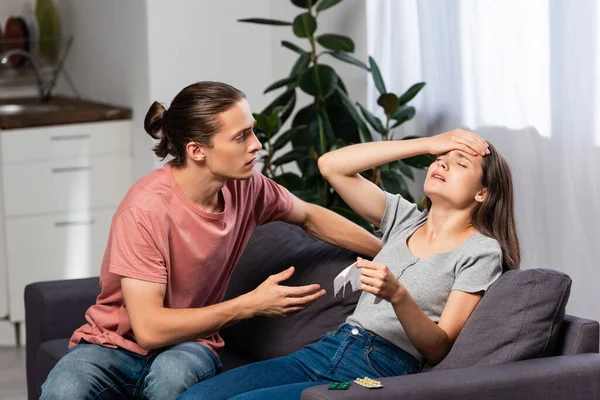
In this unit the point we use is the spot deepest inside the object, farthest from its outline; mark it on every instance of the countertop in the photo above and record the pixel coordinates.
(72, 111)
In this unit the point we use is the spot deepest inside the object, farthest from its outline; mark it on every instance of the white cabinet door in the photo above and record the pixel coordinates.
(3, 270)
(66, 184)
(52, 247)
(46, 143)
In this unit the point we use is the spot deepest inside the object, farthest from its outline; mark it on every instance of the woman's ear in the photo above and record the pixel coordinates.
(481, 195)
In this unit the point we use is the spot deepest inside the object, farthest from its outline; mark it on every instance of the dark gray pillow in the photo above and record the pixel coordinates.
(518, 318)
(272, 248)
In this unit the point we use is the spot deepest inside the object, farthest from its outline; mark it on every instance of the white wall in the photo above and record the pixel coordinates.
(195, 41)
(109, 61)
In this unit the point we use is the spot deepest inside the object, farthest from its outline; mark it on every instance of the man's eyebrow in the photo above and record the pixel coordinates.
(247, 128)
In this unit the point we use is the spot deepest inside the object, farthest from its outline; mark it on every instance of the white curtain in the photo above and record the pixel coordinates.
(526, 76)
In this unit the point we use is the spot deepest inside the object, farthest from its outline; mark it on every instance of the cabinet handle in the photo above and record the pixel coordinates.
(71, 169)
(60, 138)
(60, 224)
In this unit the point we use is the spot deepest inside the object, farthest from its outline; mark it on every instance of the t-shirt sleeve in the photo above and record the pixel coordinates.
(399, 213)
(273, 201)
(133, 250)
(480, 266)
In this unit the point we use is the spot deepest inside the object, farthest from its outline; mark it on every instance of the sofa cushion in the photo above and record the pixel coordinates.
(48, 355)
(273, 248)
(518, 318)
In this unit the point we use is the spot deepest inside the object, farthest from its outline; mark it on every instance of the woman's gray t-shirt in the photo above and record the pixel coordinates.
(471, 267)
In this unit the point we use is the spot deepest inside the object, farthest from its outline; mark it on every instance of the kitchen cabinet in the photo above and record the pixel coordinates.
(59, 188)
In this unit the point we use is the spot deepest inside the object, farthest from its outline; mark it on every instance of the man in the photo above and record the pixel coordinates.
(174, 242)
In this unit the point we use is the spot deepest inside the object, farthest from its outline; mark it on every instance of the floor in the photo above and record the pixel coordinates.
(12, 373)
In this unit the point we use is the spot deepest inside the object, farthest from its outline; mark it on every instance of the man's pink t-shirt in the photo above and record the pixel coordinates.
(159, 235)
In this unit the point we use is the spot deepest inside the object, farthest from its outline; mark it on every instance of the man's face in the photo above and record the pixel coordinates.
(234, 147)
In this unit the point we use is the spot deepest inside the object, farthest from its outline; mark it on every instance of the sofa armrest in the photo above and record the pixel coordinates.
(578, 335)
(574, 377)
(53, 310)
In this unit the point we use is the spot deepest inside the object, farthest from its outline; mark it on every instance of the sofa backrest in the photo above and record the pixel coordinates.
(273, 248)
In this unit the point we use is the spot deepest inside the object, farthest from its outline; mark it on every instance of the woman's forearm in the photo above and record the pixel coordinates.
(354, 159)
(427, 337)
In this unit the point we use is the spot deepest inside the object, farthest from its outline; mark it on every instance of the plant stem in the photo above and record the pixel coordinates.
(268, 160)
(376, 175)
(387, 128)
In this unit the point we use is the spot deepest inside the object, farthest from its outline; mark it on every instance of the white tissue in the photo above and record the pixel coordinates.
(350, 274)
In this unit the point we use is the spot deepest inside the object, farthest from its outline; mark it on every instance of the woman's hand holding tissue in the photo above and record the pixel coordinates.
(377, 279)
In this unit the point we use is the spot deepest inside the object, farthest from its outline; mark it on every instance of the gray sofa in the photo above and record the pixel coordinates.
(518, 344)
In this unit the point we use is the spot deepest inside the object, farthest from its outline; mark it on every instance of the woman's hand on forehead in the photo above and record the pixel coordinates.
(458, 139)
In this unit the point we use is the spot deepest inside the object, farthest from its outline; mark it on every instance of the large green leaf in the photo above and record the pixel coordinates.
(304, 25)
(307, 135)
(335, 42)
(280, 100)
(394, 183)
(322, 136)
(403, 114)
(291, 81)
(342, 123)
(319, 81)
(325, 4)
(405, 169)
(364, 130)
(293, 155)
(377, 76)
(348, 58)
(337, 144)
(294, 48)
(350, 214)
(422, 161)
(287, 100)
(304, 3)
(308, 195)
(327, 127)
(389, 102)
(372, 120)
(288, 108)
(300, 66)
(290, 181)
(286, 137)
(264, 21)
(410, 93)
(262, 124)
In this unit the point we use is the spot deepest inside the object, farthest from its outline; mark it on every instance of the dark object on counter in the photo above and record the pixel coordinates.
(16, 36)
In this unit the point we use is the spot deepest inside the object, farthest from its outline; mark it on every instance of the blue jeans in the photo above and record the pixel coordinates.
(343, 355)
(90, 371)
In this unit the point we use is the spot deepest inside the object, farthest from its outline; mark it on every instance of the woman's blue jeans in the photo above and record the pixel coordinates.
(343, 355)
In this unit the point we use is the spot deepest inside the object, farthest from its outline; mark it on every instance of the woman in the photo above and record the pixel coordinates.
(432, 271)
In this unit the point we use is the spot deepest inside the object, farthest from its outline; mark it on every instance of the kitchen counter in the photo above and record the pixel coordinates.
(59, 111)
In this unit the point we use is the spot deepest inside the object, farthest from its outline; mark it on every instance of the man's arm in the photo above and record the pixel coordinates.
(156, 326)
(333, 228)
